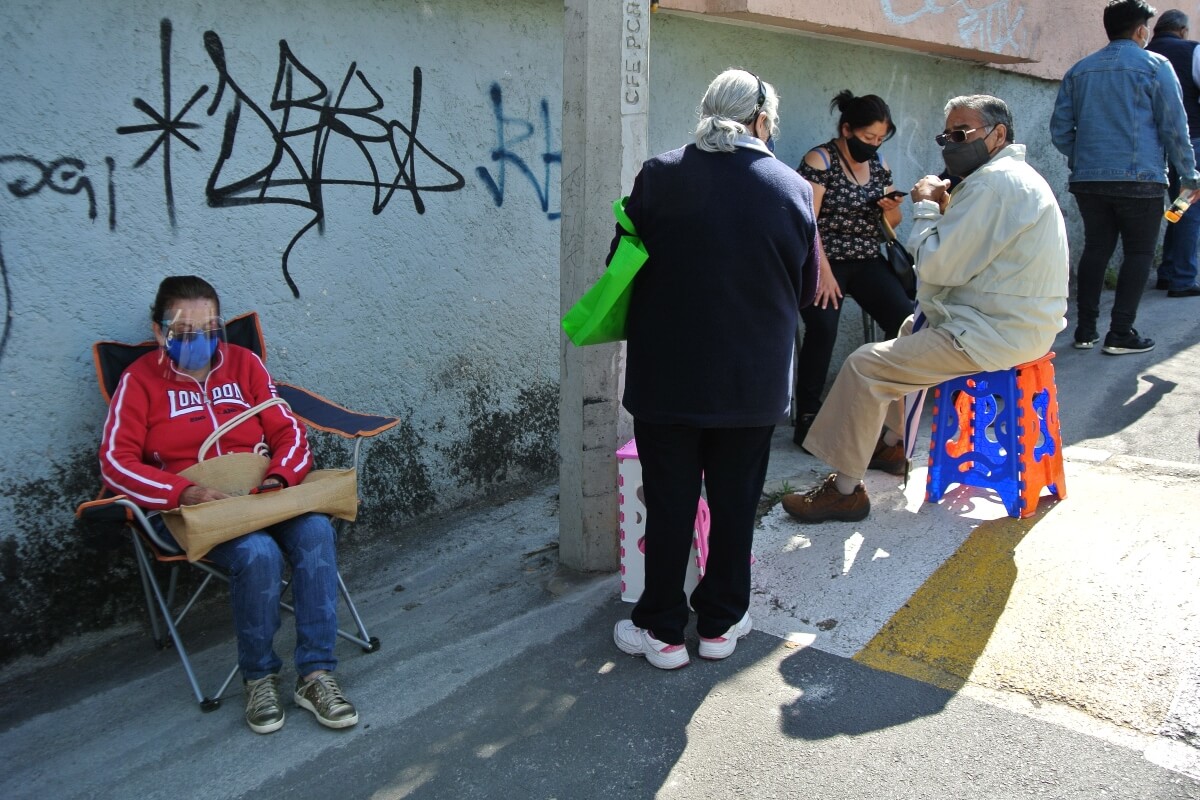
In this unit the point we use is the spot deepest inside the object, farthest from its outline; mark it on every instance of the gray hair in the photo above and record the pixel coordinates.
(992, 110)
(1173, 20)
(728, 108)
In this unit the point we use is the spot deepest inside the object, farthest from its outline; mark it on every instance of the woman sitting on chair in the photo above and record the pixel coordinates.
(165, 406)
(850, 184)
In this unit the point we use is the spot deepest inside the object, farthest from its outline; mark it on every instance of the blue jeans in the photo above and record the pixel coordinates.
(1136, 220)
(1179, 264)
(255, 566)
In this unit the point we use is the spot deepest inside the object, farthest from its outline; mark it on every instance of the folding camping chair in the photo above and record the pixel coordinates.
(151, 547)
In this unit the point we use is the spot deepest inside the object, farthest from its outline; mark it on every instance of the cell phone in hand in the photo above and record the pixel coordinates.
(895, 195)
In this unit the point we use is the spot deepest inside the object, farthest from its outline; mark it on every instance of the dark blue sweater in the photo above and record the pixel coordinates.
(1179, 52)
(713, 315)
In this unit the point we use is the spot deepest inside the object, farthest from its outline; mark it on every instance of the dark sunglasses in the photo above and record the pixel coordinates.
(959, 137)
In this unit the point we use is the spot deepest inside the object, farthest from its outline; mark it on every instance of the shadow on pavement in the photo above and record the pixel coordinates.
(572, 718)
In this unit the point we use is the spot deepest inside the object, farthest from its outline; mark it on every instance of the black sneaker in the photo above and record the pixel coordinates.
(1116, 344)
(1085, 340)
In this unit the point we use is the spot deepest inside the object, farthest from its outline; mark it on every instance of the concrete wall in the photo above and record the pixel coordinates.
(437, 302)
(423, 239)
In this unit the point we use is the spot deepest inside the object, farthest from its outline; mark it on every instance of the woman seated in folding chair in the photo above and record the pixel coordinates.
(166, 405)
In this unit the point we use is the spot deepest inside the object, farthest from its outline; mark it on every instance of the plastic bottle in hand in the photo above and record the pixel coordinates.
(1181, 204)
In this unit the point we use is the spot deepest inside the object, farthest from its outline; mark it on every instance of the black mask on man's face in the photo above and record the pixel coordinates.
(963, 158)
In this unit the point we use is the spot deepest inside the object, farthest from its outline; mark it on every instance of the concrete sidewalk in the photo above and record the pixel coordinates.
(927, 652)
(1067, 635)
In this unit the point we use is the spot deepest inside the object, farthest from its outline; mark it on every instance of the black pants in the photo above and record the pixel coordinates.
(1136, 220)
(873, 286)
(733, 462)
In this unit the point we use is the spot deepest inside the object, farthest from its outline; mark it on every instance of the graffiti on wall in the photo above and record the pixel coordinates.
(506, 155)
(991, 25)
(312, 120)
(25, 176)
(302, 122)
(165, 126)
(276, 151)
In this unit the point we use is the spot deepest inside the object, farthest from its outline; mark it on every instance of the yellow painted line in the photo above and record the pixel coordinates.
(938, 635)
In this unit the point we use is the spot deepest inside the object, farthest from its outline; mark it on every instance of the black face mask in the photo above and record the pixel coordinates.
(859, 150)
(963, 158)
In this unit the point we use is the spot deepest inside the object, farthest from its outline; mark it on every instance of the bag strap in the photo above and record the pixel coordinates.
(622, 218)
(889, 233)
(233, 422)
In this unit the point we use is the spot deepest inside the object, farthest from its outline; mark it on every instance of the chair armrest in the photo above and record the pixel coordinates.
(106, 509)
(120, 509)
(326, 415)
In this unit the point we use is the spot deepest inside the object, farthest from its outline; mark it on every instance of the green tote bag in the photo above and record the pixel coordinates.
(599, 316)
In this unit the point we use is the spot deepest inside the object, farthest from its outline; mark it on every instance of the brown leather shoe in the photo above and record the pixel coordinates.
(826, 502)
(889, 459)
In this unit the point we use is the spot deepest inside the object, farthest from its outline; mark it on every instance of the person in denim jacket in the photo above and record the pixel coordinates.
(1119, 118)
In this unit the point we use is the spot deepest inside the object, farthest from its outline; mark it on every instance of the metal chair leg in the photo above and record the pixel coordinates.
(870, 332)
(147, 578)
(206, 703)
(368, 643)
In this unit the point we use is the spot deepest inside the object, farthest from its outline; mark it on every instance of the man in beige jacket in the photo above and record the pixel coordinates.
(992, 271)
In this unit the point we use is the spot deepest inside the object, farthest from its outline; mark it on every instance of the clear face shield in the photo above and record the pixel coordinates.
(191, 337)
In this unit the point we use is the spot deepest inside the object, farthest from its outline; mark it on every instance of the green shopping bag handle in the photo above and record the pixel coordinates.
(599, 316)
(622, 218)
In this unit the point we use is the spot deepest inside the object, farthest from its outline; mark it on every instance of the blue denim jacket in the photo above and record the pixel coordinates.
(1119, 117)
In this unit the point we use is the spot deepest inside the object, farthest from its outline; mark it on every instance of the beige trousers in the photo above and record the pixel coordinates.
(869, 391)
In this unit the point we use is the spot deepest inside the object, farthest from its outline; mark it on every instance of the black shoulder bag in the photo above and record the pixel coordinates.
(898, 258)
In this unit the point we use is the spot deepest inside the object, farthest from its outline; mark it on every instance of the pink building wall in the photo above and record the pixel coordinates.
(1041, 38)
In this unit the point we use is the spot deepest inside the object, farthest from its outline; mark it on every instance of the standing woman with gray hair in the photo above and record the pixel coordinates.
(731, 238)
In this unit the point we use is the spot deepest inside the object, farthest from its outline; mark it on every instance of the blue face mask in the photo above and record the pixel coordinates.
(191, 353)
(771, 143)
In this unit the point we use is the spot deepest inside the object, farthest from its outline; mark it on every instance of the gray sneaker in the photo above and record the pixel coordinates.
(323, 697)
(264, 711)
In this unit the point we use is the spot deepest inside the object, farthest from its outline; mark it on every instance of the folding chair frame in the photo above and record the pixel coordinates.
(149, 548)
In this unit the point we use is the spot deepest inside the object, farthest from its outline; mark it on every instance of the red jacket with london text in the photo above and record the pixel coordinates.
(159, 417)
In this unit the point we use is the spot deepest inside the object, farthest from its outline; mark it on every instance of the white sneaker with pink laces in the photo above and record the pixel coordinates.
(638, 642)
(723, 646)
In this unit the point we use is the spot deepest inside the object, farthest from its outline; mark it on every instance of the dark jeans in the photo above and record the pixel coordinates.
(1179, 263)
(1105, 217)
(873, 286)
(733, 463)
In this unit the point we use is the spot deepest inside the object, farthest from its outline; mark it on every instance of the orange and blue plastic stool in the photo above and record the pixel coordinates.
(999, 431)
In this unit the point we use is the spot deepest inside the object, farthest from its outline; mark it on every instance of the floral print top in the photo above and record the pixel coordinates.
(849, 219)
